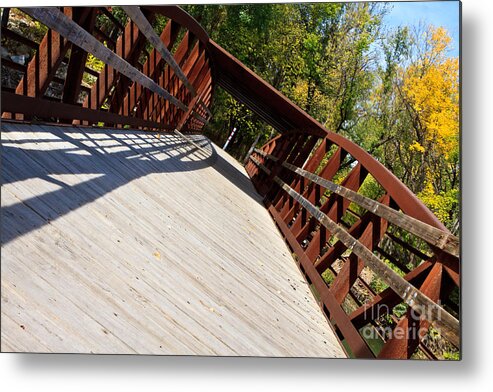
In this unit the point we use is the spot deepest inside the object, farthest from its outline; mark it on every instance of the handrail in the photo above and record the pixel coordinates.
(181, 17)
(30, 106)
(435, 314)
(441, 239)
(285, 113)
(283, 171)
(145, 27)
(58, 22)
(125, 90)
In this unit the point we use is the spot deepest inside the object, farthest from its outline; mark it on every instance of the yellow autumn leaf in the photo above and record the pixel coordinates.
(431, 87)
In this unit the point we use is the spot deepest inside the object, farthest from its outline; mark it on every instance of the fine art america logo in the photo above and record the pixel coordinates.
(414, 325)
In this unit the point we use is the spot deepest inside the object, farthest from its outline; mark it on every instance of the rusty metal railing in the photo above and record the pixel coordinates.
(166, 88)
(312, 187)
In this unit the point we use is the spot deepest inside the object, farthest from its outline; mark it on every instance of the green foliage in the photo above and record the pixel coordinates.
(328, 276)
(400, 310)
(94, 63)
(369, 188)
(377, 284)
(391, 91)
(25, 26)
(451, 356)
(443, 204)
(107, 26)
(310, 52)
(410, 120)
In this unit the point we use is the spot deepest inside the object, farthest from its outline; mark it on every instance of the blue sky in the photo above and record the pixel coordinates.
(438, 13)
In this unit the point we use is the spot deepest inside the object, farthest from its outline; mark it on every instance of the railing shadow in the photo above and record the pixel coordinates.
(102, 160)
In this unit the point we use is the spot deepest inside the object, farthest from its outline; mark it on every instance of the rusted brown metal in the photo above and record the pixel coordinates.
(359, 348)
(152, 67)
(78, 58)
(106, 79)
(47, 109)
(41, 69)
(145, 27)
(19, 38)
(436, 237)
(369, 235)
(418, 301)
(5, 16)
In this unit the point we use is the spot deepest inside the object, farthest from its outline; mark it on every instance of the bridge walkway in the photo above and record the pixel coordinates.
(117, 241)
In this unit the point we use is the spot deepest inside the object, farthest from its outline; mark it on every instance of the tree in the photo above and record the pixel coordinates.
(431, 93)
(316, 54)
(395, 93)
(411, 119)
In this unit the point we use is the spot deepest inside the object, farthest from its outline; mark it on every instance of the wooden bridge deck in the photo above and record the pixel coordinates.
(116, 242)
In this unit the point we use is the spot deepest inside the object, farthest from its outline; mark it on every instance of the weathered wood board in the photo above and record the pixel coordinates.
(115, 241)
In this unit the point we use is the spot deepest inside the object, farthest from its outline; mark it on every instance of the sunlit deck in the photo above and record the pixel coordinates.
(115, 241)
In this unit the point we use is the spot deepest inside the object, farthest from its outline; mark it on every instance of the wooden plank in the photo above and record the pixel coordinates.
(145, 27)
(45, 62)
(132, 45)
(143, 100)
(335, 208)
(106, 78)
(168, 37)
(356, 343)
(441, 319)
(77, 62)
(369, 235)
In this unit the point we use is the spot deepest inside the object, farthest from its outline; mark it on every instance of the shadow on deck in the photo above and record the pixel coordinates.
(116, 242)
(111, 157)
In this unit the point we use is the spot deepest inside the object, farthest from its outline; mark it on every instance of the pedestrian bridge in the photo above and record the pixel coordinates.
(126, 230)
(119, 242)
